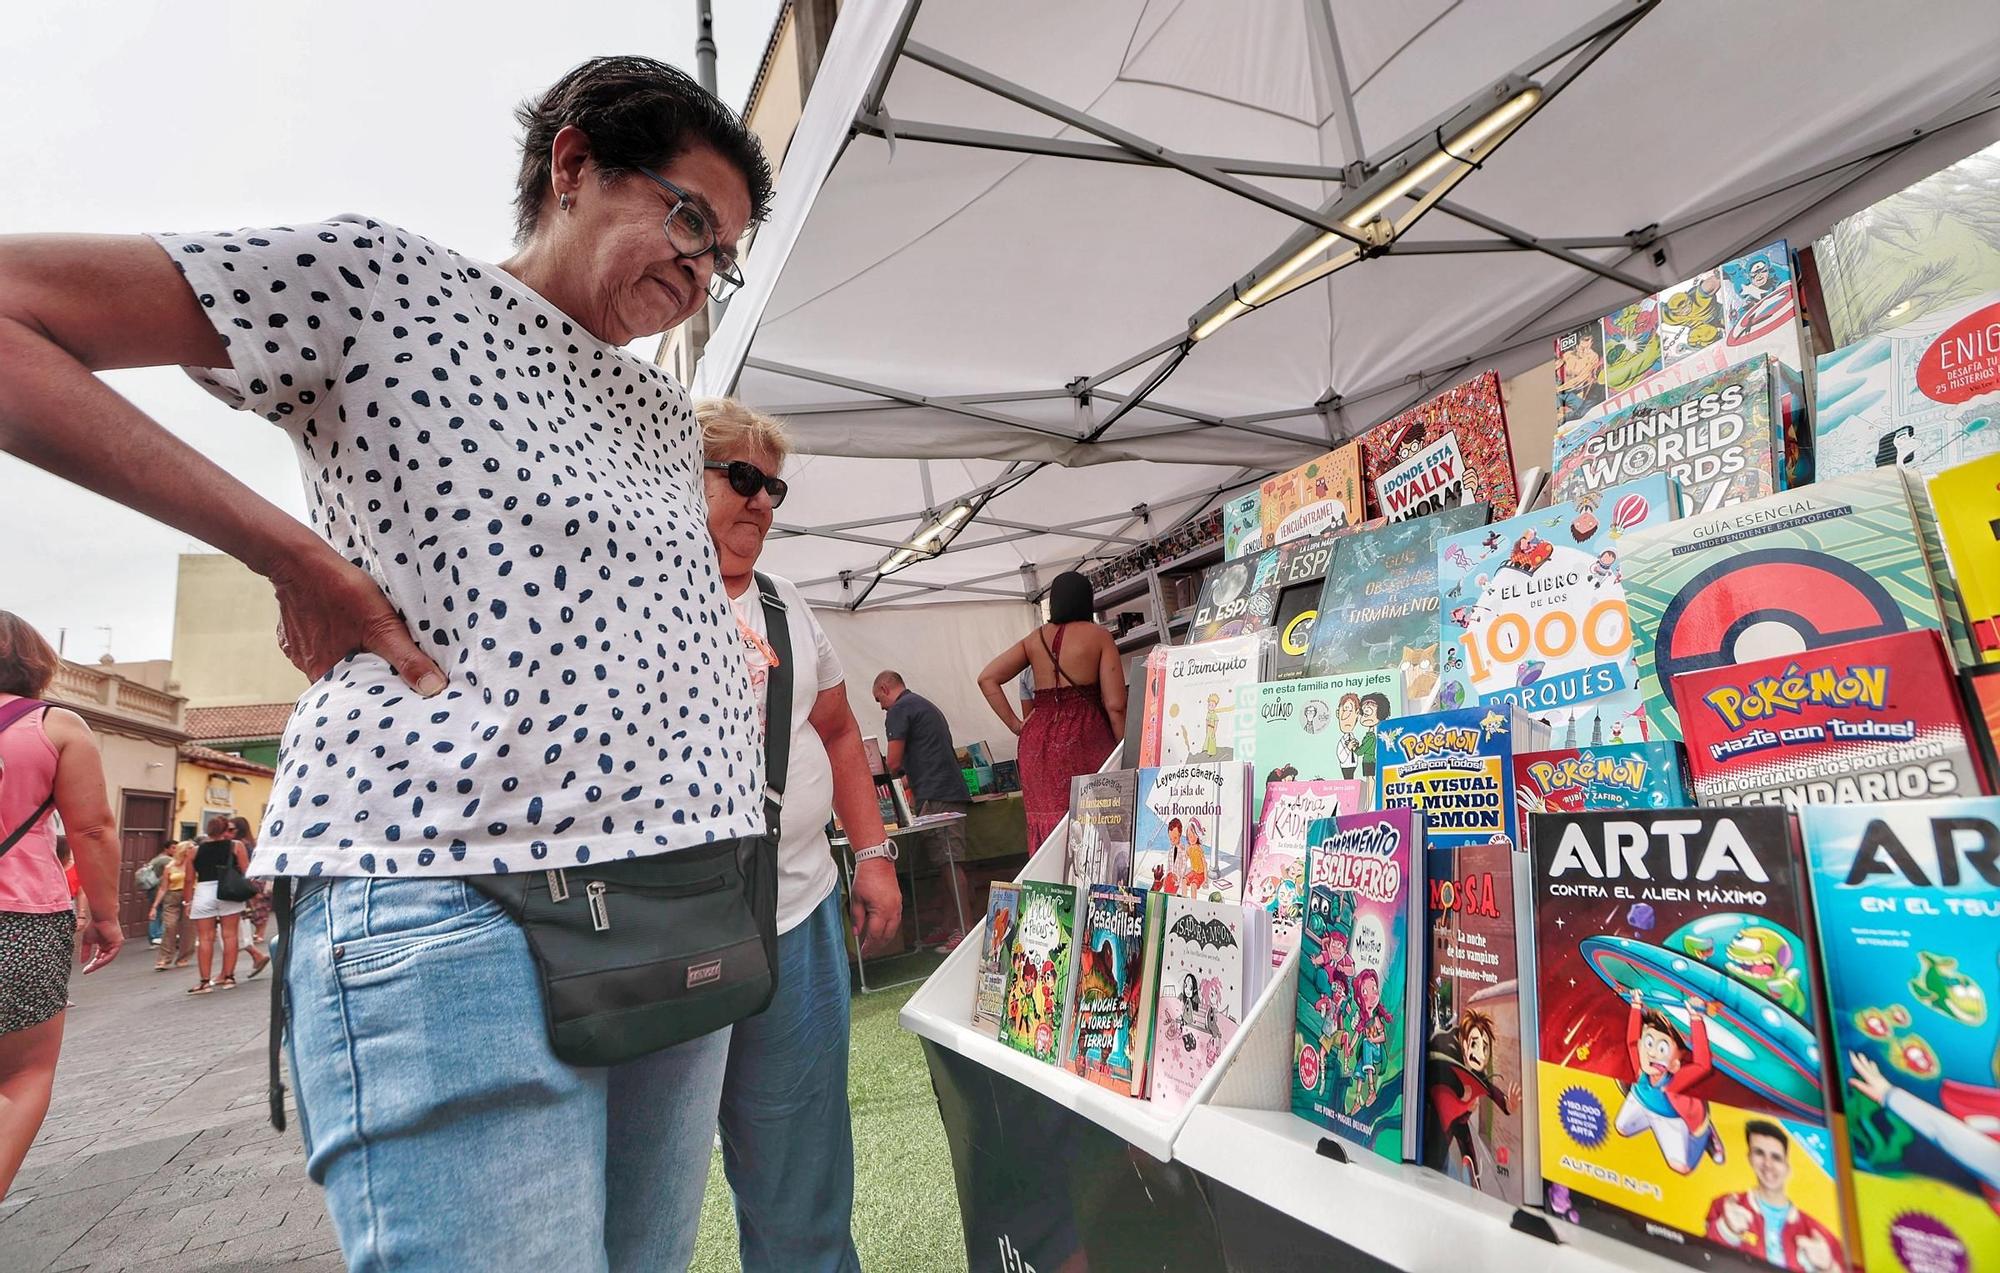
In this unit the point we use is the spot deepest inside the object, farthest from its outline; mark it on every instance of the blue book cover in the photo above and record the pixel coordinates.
(1457, 767)
(1583, 779)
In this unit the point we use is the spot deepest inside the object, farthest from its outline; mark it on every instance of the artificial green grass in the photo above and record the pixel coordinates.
(905, 1204)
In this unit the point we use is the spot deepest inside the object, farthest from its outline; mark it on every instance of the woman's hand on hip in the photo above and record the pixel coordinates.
(329, 608)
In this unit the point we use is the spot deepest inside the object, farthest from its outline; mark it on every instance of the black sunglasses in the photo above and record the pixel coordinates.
(746, 479)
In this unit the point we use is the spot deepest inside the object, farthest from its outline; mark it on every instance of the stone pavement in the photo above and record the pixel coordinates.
(157, 1152)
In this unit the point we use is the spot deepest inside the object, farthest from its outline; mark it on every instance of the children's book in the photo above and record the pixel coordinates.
(1103, 819)
(1276, 589)
(1361, 986)
(1682, 1075)
(1234, 598)
(1479, 1123)
(1448, 452)
(1456, 767)
(1318, 496)
(1146, 685)
(1320, 727)
(1908, 897)
(1619, 776)
(1837, 561)
(1214, 959)
(1294, 588)
(1982, 700)
(1379, 606)
(1532, 612)
(996, 951)
(1861, 723)
(1278, 850)
(1041, 972)
(1967, 501)
(1117, 967)
(1242, 526)
(1193, 830)
(1198, 684)
(1924, 395)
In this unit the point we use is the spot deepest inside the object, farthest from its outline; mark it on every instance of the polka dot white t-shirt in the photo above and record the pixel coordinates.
(530, 499)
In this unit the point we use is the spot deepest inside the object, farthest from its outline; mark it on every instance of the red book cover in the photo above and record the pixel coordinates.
(1860, 723)
(1449, 451)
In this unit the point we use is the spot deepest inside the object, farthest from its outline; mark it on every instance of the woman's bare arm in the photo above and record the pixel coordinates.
(91, 830)
(1111, 682)
(1005, 667)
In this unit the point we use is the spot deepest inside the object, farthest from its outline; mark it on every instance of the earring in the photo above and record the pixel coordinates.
(562, 201)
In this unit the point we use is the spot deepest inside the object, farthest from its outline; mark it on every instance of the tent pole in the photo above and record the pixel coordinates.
(1522, 238)
(1326, 34)
(899, 395)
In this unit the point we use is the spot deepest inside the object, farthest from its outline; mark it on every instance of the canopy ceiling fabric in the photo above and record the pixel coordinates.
(917, 308)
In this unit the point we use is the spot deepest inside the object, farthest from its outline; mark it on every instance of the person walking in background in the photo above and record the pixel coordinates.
(49, 763)
(213, 916)
(256, 911)
(920, 746)
(147, 879)
(170, 909)
(1077, 714)
(787, 1140)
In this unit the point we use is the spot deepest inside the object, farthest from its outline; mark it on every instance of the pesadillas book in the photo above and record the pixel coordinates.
(1361, 989)
(1117, 966)
(1923, 395)
(1278, 850)
(1455, 766)
(1532, 612)
(1214, 960)
(1193, 830)
(1861, 723)
(1908, 897)
(1479, 1125)
(1197, 714)
(996, 951)
(1681, 1084)
(1321, 495)
(1323, 727)
(1450, 451)
(1103, 821)
(1041, 971)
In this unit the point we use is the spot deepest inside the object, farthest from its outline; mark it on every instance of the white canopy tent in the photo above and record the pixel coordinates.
(1000, 226)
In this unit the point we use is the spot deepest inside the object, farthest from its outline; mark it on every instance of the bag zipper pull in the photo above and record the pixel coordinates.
(558, 885)
(600, 915)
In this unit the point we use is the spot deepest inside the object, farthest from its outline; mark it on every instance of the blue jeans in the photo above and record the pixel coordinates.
(787, 1146)
(445, 1132)
(156, 928)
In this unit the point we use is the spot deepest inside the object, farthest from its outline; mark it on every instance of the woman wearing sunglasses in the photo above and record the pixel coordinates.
(522, 657)
(787, 1146)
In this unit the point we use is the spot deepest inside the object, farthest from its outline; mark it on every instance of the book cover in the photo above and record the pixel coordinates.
(1294, 588)
(1837, 561)
(1277, 588)
(1379, 606)
(1320, 727)
(1039, 977)
(1103, 820)
(1681, 1078)
(1448, 452)
(1204, 989)
(1149, 676)
(1722, 438)
(1982, 700)
(1908, 898)
(1967, 503)
(1234, 597)
(1278, 849)
(1193, 830)
(1318, 496)
(1739, 310)
(1111, 1043)
(996, 952)
(1924, 395)
(1861, 723)
(1479, 1120)
(1360, 999)
(1455, 766)
(1242, 525)
(1198, 718)
(1532, 612)
(1617, 776)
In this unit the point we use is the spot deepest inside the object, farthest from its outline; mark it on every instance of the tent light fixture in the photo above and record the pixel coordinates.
(930, 542)
(1424, 174)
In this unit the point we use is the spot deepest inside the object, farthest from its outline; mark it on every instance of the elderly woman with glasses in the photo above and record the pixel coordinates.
(505, 594)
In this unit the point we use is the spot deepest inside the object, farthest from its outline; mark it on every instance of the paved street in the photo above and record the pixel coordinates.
(157, 1153)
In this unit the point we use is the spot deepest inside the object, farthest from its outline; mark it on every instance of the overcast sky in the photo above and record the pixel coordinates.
(201, 114)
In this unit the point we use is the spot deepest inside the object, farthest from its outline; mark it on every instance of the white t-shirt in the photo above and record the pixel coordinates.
(530, 499)
(806, 872)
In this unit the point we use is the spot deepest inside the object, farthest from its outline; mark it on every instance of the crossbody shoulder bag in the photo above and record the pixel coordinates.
(639, 954)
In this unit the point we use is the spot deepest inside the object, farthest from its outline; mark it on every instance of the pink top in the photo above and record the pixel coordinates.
(31, 877)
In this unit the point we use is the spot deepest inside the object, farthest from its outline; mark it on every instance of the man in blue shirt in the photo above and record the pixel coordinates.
(920, 746)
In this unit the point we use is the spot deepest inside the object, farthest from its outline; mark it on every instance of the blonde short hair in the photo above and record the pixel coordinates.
(728, 428)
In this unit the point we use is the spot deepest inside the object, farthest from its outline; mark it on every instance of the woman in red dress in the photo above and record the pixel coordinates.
(1078, 713)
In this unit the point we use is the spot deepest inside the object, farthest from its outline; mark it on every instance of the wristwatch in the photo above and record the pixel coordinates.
(886, 849)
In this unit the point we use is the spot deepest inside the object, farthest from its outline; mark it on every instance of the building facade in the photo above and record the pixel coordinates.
(211, 783)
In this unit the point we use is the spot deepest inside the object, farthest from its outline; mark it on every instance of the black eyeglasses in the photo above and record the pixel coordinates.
(746, 479)
(692, 235)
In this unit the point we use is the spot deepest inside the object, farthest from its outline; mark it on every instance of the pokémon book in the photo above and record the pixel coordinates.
(1242, 526)
(1103, 820)
(1193, 830)
(1456, 766)
(1532, 612)
(1278, 850)
(1320, 727)
(1041, 971)
(1198, 684)
(1829, 563)
(1861, 723)
(1924, 395)
(1116, 970)
(1479, 1069)
(1448, 452)
(1361, 984)
(1681, 1086)
(1908, 897)
(1619, 776)
(1318, 496)
(996, 951)
(1740, 310)
(1214, 960)
(1967, 502)
(1380, 604)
